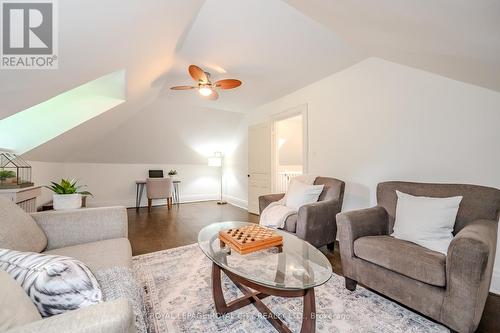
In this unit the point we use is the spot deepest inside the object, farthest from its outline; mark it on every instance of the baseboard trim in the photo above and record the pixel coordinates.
(240, 203)
(130, 203)
(495, 282)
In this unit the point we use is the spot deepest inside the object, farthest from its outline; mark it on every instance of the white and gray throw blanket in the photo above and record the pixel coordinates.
(120, 282)
(275, 215)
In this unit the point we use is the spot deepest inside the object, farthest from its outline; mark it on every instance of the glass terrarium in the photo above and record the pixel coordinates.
(14, 171)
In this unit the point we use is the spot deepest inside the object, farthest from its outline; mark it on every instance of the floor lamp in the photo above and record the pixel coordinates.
(218, 161)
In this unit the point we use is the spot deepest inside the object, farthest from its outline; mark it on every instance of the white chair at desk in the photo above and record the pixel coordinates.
(139, 188)
(159, 188)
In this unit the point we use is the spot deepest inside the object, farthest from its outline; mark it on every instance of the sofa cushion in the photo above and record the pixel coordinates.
(100, 255)
(403, 257)
(16, 306)
(18, 230)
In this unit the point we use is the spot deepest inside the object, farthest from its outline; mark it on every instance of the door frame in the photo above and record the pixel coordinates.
(289, 113)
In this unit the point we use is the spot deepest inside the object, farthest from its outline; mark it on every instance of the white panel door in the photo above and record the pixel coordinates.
(259, 164)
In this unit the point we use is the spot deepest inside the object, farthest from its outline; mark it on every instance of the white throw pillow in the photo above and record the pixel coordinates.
(300, 194)
(426, 221)
(55, 284)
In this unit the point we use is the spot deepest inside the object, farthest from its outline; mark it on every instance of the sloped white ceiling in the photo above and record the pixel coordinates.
(97, 38)
(459, 39)
(273, 46)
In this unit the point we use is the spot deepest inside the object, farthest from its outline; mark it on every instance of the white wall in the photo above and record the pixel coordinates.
(43, 173)
(114, 184)
(380, 121)
(166, 136)
(236, 168)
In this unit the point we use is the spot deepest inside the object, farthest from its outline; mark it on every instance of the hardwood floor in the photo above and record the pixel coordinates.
(164, 229)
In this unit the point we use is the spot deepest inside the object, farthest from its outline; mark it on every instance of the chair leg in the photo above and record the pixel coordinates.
(150, 202)
(331, 246)
(350, 284)
(169, 203)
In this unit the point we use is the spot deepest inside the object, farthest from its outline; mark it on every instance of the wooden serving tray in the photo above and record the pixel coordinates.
(250, 238)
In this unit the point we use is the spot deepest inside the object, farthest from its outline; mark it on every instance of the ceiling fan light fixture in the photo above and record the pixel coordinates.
(205, 91)
(204, 86)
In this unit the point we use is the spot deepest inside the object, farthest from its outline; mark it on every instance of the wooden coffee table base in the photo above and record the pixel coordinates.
(254, 297)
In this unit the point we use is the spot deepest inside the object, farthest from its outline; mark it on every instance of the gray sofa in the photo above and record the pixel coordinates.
(316, 222)
(451, 289)
(96, 236)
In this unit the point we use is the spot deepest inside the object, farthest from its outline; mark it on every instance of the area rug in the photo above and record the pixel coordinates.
(177, 291)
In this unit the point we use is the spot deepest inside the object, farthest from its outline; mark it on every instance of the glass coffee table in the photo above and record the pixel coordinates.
(291, 271)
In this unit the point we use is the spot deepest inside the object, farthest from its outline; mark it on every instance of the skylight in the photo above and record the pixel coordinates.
(38, 124)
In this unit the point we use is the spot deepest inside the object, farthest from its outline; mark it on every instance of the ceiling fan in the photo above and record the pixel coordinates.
(205, 87)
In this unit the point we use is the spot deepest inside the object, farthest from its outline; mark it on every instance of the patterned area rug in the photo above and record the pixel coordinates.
(177, 292)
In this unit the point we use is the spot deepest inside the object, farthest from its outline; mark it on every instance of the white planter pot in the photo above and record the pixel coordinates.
(67, 201)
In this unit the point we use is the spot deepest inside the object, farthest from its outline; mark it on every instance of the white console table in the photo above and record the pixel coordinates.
(23, 197)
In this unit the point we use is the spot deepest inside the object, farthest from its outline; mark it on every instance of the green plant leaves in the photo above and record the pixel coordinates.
(67, 186)
(4, 174)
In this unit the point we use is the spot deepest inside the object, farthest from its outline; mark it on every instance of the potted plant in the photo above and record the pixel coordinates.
(172, 173)
(67, 194)
(6, 174)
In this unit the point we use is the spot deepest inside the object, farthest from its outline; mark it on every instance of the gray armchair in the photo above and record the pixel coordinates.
(452, 288)
(316, 222)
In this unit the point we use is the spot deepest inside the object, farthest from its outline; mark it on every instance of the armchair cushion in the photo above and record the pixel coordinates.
(300, 194)
(426, 221)
(79, 226)
(101, 254)
(18, 231)
(403, 257)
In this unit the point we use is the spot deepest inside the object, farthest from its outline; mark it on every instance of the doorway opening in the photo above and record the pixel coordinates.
(289, 147)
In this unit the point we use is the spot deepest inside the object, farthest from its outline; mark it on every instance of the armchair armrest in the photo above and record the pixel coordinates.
(265, 200)
(73, 227)
(469, 267)
(316, 222)
(354, 224)
(108, 317)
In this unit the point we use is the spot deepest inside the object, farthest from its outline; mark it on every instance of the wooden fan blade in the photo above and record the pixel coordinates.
(182, 87)
(198, 74)
(228, 83)
(213, 96)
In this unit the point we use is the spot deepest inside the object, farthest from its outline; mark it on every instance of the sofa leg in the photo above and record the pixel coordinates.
(330, 246)
(150, 202)
(350, 284)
